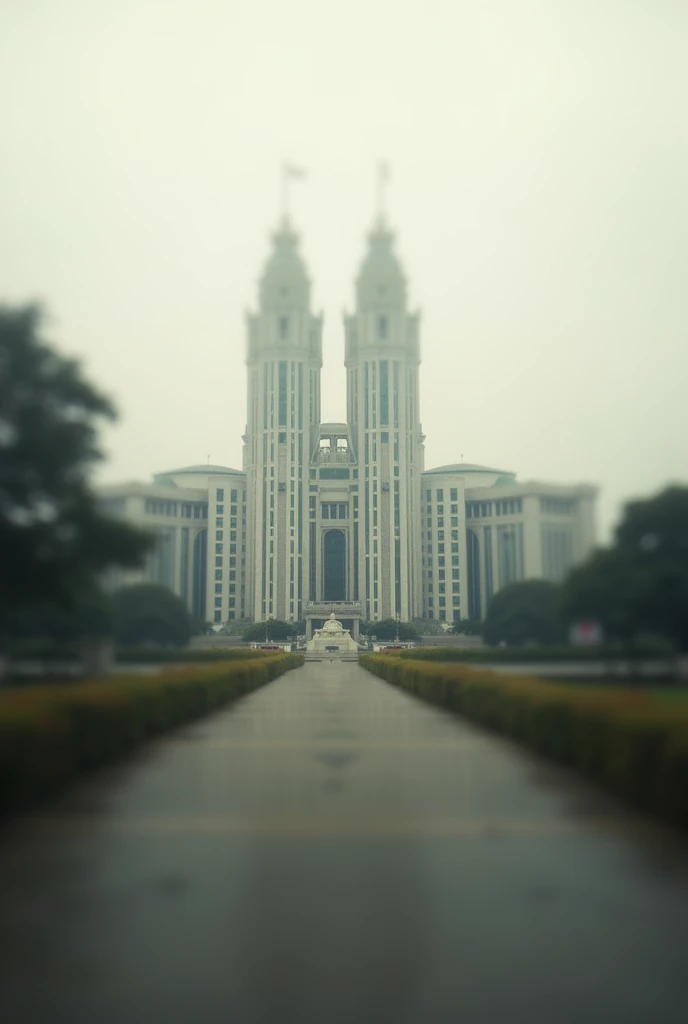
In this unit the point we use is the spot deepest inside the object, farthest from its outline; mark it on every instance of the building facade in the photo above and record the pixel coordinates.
(344, 516)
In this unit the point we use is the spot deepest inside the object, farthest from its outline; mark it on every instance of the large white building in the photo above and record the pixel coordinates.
(344, 516)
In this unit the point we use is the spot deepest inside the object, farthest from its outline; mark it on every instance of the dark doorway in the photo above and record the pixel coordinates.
(335, 566)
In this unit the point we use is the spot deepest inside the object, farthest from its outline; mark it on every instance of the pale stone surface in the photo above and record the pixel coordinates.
(332, 637)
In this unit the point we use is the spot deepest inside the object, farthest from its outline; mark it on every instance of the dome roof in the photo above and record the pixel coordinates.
(467, 467)
(284, 283)
(170, 476)
(381, 281)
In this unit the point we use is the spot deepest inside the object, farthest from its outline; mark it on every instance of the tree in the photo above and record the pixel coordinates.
(274, 629)
(54, 542)
(640, 584)
(149, 613)
(523, 612)
(600, 590)
(386, 629)
(468, 627)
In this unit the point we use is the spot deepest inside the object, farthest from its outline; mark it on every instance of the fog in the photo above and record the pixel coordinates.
(538, 156)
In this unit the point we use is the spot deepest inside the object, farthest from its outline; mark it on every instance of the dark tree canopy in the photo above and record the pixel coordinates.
(54, 541)
(148, 613)
(274, 629)
(386, 629)
(640, 584)
(522, 613)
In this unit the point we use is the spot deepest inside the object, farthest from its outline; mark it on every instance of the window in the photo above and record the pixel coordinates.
(454, 494)
(218, 549)
(218, 573)
(382, 327)
(218, 588)
(440, 494)
(455, 520)
(220, 494)
(455, 574)
(220, 510)
(218, 616)
(282, 395)
(218, 602)
(218, 535)
(218, 561)
(283, 327)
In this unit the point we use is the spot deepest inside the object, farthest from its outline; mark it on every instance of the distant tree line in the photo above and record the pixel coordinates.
(636, 587)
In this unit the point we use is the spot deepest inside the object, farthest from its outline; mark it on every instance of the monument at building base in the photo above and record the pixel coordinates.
(331, 637)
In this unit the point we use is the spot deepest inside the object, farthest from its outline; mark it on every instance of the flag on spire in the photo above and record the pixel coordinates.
(292, 171)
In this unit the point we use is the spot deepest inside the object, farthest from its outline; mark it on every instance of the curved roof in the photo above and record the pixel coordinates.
(207, 470)
(468, 467)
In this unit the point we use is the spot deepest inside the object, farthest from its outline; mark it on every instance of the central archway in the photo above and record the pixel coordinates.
(334, 561)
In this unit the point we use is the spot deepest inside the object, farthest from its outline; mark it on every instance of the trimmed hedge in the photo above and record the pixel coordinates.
(630, 741)
(532, 654)
(48, 650)
(49, 735)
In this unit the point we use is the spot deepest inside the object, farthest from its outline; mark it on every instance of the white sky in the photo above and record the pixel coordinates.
(539, 154)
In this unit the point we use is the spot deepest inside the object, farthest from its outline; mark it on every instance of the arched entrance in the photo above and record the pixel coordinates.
(334, 563)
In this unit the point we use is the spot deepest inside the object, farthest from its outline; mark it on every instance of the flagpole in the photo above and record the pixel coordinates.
(382, 179)
(285, 194)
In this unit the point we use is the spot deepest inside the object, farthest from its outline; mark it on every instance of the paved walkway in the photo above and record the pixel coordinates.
(331, 851)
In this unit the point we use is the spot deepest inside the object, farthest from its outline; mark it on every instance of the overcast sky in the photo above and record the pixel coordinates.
(539, 156)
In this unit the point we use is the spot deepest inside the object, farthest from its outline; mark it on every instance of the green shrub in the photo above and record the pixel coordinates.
(633, 742)
(535, 654)
(50, 734)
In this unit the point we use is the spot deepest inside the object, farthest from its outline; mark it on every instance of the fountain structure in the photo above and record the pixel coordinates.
(332, 638)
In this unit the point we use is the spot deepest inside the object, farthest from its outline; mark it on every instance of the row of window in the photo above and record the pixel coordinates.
(440, 574)
(486, 509)
(330, 510)
(442, 588)
(185, 509)
(220, 494)
(558, 506)
(509, 508)
(453, 494)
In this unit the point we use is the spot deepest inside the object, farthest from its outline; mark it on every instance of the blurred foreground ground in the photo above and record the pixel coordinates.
(330, 850)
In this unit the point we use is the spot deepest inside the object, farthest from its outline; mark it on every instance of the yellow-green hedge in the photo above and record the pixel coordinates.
(50, 734)
(633, 742)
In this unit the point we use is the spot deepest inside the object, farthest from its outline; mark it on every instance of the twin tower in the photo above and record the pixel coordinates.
(333, 509)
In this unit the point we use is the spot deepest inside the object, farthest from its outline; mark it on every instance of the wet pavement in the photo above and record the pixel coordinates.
(331, 850)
